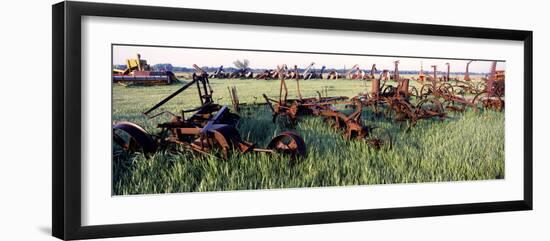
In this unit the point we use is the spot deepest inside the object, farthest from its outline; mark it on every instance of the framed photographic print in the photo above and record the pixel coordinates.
(169, 120)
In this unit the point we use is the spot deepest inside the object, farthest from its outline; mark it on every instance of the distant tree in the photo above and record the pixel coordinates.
(161, 67)
(119, 66)
(241, 64)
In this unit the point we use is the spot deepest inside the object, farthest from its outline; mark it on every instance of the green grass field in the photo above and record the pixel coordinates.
(464, 146)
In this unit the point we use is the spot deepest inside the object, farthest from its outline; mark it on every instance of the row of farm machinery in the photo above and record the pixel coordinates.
(354, 73)
(138, 72)
(213, 128)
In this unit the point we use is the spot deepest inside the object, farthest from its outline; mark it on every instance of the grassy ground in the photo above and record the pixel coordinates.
(464, 146)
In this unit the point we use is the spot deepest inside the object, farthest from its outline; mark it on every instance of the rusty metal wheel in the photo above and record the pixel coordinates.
(133, 138)
(430, 107)
(458, 90)
(480, 86)
(446, 88)
(414, 92)
(426, 90)
(481, 100)
(288, 143)
(478, 100)
(388, 90)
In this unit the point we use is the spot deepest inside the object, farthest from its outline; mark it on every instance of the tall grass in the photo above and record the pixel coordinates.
(464, 146)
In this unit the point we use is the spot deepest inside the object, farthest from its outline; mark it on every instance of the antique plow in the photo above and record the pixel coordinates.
(397, 100)
(489, 93)
(452, 100)
(292, 108)
(351, 125)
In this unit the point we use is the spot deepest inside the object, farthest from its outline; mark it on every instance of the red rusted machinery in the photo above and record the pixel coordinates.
(493, 95)
(454, 96)
(402, 109)
(448, 94)
(351, 125)
(138, 72)
(291, 108)
(267, 74)
(397, 100)
(488, 94)
(211, 128)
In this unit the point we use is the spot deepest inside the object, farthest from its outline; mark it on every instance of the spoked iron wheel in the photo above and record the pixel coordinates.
(431, 107)
(478, 100)
(426, 90)
(460, 90)
(480, 87)
(388, 90)
(414, 92)
(288, 143)
(446, 89)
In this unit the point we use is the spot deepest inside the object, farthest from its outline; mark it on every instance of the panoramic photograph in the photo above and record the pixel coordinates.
(191, 119)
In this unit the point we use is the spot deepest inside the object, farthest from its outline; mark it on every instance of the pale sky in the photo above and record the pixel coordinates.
(185, 57)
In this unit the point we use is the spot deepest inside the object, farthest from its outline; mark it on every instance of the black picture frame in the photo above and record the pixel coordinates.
(66, 90)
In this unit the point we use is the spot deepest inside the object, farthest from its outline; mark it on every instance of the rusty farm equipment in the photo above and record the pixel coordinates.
(355, 73)
(396, 99)
(314, 75)
(219, 74)
(307, 73)
(452, 99)
(494, 90)
(350, 125)
(403, 102)
(454, 96)
(267, 74)
(274, 73)
(210, 129)
(291, 108)
(242, 73)
(370, 75)
(213, 127)
(138, 72)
